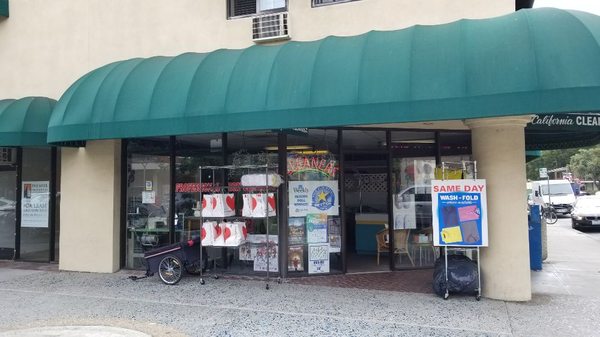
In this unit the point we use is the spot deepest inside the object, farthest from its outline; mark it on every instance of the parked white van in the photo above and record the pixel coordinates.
(559, 193)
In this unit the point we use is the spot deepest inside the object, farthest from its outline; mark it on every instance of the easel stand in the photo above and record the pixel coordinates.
(464, 166)
(463, 249)
(248, 168)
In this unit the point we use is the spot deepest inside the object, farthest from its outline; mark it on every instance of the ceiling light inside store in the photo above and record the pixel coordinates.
(414, 141)
(290, 147)
(315, 152)
(409, 141)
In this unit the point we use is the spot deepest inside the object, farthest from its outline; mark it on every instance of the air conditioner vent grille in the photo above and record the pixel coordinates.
(270, 27)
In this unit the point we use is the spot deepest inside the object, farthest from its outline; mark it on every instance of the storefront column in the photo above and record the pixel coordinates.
(499, 149)
(90, 207)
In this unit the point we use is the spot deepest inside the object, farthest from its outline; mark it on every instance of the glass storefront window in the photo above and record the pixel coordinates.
(455, 144)
(192, 152)
(148, 198)
(243, 149)
(35, 205)
(413, 167)
(314, 223)
(8, 202)
(313, 165)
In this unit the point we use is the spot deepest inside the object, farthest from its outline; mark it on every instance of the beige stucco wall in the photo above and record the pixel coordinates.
(46, 45)
(90, 207)
(499, 149)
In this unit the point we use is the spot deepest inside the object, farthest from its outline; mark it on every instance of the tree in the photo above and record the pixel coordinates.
(586, 164)
(550, 159)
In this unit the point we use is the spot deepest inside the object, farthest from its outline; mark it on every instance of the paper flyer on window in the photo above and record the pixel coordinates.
(459, 209)
(313, 197)
(316, 228)
(318, 258)
(35, 200)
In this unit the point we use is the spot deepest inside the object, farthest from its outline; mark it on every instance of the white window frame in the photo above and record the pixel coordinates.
(230, 4)
(335, 2)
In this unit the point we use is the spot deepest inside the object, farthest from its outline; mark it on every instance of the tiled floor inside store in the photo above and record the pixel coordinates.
(418, 281)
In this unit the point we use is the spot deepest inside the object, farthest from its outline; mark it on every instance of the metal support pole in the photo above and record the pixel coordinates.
(478, 274)
(447, 294)
(201, 225)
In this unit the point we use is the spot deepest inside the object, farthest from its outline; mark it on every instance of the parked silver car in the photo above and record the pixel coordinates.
(586, 212)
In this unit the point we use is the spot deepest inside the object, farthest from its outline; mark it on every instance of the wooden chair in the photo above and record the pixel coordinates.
(401, 237)
(429, 231)
(382, 245)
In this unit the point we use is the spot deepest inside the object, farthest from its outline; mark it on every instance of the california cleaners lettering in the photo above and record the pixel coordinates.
(550, 120)
(567, 120)
(588, 120)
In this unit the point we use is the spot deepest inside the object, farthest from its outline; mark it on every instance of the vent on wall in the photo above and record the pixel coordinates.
(270, 27)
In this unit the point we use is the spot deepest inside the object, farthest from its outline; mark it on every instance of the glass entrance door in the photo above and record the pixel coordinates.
(148, 198)
(366, 200)
(35, 227)
(8, 203)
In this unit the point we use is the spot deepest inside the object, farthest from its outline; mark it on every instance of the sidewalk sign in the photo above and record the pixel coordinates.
(459, 209)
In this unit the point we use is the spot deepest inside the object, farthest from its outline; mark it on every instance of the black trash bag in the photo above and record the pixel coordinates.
(462, 275)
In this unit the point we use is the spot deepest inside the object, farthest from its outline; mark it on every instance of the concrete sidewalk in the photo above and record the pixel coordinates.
(573, 264)
(227, 307)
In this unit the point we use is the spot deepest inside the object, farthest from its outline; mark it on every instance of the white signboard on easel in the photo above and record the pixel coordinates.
(459, 209)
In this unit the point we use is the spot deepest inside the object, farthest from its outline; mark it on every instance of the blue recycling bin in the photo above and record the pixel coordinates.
(535, 238)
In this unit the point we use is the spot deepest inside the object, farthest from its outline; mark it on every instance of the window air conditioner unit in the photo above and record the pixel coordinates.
(270, 27)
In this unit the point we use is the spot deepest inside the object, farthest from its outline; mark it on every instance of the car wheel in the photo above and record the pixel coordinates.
(573, 225)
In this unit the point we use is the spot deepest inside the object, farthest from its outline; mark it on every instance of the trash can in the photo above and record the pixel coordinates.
(535, 238)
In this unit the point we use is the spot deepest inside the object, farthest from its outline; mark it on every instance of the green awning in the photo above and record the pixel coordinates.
(4, 8)
(531, 61)
(24, 122)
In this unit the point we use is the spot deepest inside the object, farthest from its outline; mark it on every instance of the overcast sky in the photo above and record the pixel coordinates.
(592, 6)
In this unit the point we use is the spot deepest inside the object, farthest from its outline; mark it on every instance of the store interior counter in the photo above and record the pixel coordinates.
(367, 226)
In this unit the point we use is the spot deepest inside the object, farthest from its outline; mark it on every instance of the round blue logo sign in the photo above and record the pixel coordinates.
(323, 198)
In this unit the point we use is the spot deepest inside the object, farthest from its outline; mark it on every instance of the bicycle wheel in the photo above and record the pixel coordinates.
(551, 217)
(170, 270)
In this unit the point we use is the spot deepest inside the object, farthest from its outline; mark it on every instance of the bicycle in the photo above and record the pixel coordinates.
(549, 214)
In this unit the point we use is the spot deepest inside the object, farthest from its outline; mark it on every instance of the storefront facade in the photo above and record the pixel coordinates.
(358, 122)
(170, 167)
(353, 173)
(29, 223)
